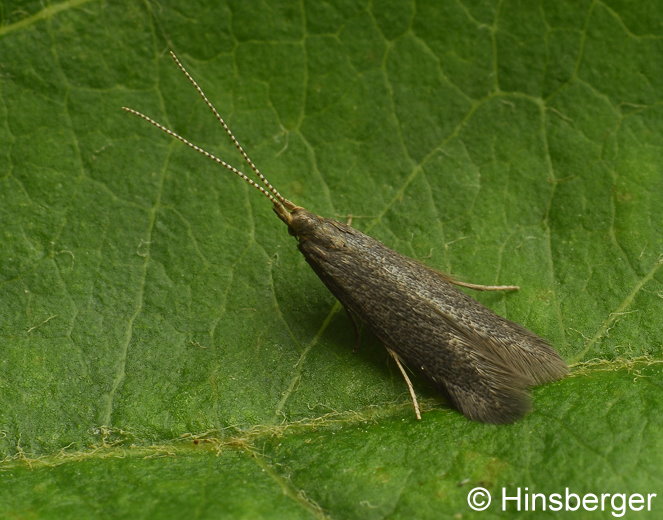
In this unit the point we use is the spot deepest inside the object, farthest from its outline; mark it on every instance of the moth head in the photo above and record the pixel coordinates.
(302, 223)
(309, 227)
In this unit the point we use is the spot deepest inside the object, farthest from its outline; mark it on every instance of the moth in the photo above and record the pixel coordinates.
(483, 363)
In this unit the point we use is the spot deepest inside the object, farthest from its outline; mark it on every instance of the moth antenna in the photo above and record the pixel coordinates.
(281, 202)
(228, 131)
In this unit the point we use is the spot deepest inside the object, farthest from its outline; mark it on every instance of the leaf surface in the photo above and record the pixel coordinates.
(167, 352)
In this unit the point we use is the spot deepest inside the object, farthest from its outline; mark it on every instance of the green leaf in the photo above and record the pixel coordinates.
(167, 352)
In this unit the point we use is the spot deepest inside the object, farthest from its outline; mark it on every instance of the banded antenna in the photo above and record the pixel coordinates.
(279, 201)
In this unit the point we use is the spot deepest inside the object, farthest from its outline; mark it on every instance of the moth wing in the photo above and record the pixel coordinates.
(477, 382)
(518, 348)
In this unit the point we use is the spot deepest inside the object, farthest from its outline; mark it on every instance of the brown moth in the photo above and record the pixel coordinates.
(483, 363)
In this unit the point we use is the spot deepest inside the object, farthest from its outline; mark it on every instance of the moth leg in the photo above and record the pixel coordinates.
(356, 327)
(478, 287)
(417, 412)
